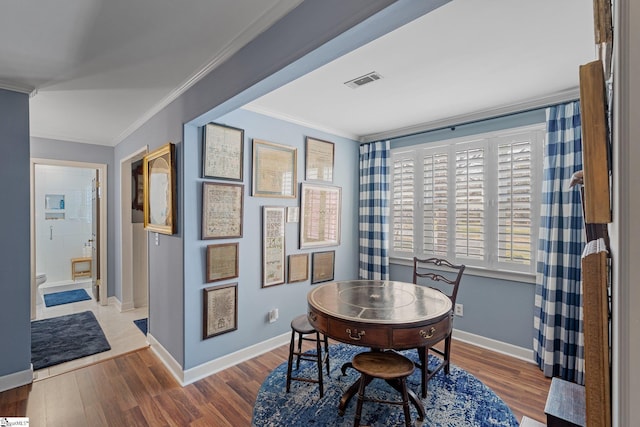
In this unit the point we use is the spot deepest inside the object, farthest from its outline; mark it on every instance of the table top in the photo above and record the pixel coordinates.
(379, 301)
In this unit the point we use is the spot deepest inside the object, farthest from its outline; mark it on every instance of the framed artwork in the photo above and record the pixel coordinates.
(320, 215)
(293, 214)
(319, 160)
(222, 152)
(221, 210)
(273, 245)
(222, 262)
(274, 170)
(322, 266)
(220, 313)
(137, 186)
(159, 170)
(298, 268)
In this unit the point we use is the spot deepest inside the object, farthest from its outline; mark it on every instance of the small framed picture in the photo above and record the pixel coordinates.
(319, 160)
(274, 170)
(273, 245)
(320, 213)
(222, 262)
(298, 268)
(222, 152)
(322, 266)
(220, 314)
(221, 210)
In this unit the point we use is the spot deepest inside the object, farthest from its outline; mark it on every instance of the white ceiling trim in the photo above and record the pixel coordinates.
(535, 103)
(16, 87)
(291, 119)
(252, 31)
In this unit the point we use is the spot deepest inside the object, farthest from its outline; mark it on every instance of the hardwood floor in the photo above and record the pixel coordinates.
(135, 389)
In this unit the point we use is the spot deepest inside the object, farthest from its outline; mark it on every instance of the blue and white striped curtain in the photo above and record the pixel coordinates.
(373, 211)
(558, 339)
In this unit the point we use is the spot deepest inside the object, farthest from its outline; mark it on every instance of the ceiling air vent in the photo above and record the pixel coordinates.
(363, 80)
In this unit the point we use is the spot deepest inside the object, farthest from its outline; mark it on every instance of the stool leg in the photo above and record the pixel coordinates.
(405, 402)
(299, 351)
(326, 352)
(319, 354)
(290, 361)
(363, 383)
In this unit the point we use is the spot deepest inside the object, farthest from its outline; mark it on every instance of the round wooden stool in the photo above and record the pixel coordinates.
(301, 327)
(386, 365)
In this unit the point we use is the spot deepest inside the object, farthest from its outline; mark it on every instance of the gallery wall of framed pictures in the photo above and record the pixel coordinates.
(315, 214)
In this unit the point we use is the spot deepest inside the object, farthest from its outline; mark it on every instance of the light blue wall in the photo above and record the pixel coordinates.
(498, 309)
(53, 149)
(15, 271)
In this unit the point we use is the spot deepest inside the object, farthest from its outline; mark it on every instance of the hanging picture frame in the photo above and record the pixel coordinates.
(320, 215)
(159, 175)
(274, 170)
(319, 160)
(222, 205)
(222, 152)
(322, 266)
(273, 245)
(222, 262)
(298, 268)
(220, 311)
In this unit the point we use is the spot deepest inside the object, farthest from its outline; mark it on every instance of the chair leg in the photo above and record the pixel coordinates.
(326, 352)
(363, 383)
(405, 402)
(423, 353)
(290, 361)
(447, 354)
(319, 354)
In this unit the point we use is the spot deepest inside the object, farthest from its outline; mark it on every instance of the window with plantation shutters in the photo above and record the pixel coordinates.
(402, 210)
(471, 200)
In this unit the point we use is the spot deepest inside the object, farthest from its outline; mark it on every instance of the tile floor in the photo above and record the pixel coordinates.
(123, 335)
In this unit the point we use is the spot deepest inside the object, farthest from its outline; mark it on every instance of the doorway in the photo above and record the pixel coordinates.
(62, 245)
(134, 253)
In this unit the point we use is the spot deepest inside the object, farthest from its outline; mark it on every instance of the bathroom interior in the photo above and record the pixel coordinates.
(62, 209)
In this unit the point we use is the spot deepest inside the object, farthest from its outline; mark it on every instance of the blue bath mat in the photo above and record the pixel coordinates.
(66, 297)
(142, 325)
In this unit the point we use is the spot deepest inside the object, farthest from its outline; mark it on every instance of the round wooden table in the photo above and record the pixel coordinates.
(380, 314)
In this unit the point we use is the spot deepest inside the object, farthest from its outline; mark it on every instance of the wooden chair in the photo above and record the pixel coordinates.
(301, 327)
(386, 365)
(421, 270)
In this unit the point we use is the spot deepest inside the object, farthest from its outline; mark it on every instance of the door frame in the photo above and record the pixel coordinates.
(126, 236)
(102, 169)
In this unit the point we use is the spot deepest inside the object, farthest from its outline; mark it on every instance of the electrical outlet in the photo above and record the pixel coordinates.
(459, 310)
(273, 315)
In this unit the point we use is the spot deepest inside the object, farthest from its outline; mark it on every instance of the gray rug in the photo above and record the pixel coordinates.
(61, 339)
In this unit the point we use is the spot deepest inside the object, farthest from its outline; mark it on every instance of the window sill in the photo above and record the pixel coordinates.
(514, 276)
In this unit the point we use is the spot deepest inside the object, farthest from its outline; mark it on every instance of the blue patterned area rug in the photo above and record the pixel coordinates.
(64, 338)
(457, 399)
(65, 297)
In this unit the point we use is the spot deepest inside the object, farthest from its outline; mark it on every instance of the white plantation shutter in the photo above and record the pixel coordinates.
(402, 209)
(472, 200)
(434, 206)
(470, 203)
(515, 202)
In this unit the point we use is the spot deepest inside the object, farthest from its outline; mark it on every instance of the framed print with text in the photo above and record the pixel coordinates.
(320, 215)
(221, 210)
(319, 160)
(273, 245)
(159, 170)
(222, 262)
(322, 266)
(220, 311)
(222, 152)
(274, 170)
(298, 268)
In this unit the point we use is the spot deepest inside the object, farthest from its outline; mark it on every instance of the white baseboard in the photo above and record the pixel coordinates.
(119, 305)
(16, 379)
(224, 362)
(495, 345)
(165, 357)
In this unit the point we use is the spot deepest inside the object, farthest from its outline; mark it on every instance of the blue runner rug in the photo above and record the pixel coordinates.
(65, 297)
(142, 325)
(65, 338)
(457, 399)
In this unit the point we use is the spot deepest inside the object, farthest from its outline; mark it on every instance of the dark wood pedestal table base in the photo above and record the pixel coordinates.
(380, 314)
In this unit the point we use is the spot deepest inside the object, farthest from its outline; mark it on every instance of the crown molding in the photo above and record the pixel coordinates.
(18, 87)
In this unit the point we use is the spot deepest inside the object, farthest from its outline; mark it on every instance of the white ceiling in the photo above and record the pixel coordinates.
(98, 69)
